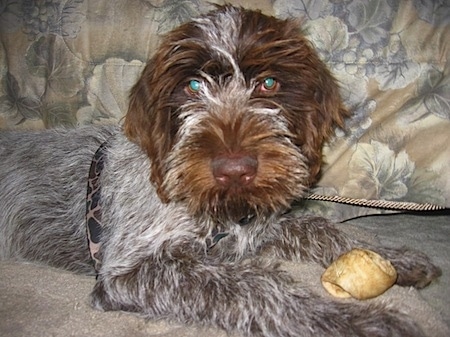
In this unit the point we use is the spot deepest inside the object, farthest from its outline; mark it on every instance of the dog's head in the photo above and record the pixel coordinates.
(233, 110)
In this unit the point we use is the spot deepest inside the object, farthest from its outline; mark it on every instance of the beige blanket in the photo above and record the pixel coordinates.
(41, 301)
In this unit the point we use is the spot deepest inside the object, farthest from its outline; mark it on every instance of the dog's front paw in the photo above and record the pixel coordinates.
(340, 319)
(380, 321)
(413, 268)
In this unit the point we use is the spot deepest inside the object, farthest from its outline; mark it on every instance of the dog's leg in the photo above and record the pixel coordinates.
(317, 239)
(252, 298)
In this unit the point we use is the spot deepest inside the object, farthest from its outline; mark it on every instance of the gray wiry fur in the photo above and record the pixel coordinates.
(154, 259)
(156, 256)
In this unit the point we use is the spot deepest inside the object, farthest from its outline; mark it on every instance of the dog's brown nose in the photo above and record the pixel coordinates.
(239, 170)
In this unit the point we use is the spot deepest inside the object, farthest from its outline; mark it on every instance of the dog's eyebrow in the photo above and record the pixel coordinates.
(233, 62)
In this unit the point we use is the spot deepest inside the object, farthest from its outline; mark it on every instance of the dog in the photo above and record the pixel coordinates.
(190, 199)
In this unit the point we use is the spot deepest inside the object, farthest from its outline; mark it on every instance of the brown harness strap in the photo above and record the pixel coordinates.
(93, 206)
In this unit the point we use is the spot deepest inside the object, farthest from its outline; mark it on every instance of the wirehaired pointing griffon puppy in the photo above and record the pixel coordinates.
(224, 131)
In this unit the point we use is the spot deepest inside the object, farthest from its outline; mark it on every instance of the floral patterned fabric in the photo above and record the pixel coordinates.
(72, 62)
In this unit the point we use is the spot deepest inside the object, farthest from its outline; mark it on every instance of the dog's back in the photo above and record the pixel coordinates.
(43, 177)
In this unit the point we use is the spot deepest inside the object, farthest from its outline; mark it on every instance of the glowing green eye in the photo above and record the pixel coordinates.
(194, 86)
(269, 83)
(268, 86)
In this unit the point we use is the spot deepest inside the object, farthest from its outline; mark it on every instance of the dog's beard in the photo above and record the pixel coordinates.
(236, 204)
(261, 132)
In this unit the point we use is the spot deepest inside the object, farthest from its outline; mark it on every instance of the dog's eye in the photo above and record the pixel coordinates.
(193, 87)
(268, 85)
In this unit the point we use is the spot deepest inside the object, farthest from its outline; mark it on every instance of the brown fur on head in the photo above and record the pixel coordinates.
(231, 51)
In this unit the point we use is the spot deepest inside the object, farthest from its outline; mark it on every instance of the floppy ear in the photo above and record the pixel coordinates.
(147, 122)
(154, 100)
(312, 94)
(329, 113)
